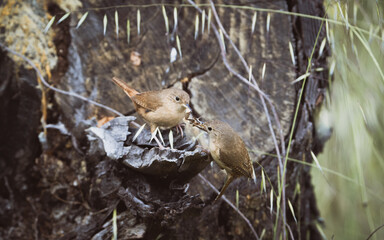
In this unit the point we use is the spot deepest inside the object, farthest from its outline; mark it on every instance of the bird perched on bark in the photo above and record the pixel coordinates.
(160, 109)
(228, 151)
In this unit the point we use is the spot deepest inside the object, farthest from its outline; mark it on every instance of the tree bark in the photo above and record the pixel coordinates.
(59, 175)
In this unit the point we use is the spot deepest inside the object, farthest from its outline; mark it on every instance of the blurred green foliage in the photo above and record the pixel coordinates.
(355, 111)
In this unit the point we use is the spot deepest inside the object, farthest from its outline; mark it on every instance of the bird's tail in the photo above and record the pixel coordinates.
(127, 89)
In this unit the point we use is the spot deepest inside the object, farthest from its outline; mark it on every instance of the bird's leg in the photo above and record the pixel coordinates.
(229, 179)
(160, 135)
(179, 128)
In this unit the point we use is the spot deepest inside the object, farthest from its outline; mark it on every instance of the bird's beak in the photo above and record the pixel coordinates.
(187, 108)
(197, 123)
(202, 127)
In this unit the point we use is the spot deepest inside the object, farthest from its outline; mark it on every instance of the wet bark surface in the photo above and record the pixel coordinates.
(63, 174)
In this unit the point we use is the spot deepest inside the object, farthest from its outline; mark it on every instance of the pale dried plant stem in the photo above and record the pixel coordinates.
(262, 96)
(238, 7)
(72, 94)
(231, 205)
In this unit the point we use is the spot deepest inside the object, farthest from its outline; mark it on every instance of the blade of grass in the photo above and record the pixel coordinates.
(322, 46)
(49, 24)
(250, 74)
(262, 234)
(263, 185)
(369, 50)
(292, 53)
(337, 22)
(209, 20)
(175, 18)
(263, 71)
(117, 24)
(138, 132)
(196, 26)
(317, 163)
(105, 22)
(178, 46)
(254, 18)
(330, 171)
(82, 19)
(63, 17)
(203, 22)
(231, 205)
(304, 76)
(293, 212)
(114, 225)
(138, 21)
(222, 39)
(165, 19)
(271, 201)
(128, 31)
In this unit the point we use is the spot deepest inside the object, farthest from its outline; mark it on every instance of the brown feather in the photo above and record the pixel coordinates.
(127, 89)
(229, 152)
(164, 108)
(148, 100)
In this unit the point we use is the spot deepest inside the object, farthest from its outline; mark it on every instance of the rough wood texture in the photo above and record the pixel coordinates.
(215, 92)
(71, 192)
(218, 94)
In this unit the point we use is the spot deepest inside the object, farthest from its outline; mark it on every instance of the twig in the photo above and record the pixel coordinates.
(10, 192)
(231, 204)
(36, 218)
(372, 233)
(262, 96)
(289, 228)
(39, 74)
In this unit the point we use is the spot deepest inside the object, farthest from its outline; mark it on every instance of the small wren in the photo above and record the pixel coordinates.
(228, 151)
(164, 108)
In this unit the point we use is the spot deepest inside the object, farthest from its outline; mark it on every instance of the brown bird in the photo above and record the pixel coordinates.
(228, 151)
(164, 108)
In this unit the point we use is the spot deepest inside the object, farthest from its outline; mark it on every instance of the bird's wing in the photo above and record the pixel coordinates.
(148, 100)
(237, 160)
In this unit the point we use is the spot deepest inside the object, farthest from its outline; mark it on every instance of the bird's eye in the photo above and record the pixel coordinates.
(177, 98)
(209, 129)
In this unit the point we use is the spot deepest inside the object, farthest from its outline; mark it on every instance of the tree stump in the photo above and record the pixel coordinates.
(68, 185)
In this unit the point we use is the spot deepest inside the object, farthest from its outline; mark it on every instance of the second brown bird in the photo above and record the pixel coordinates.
(164, 108)
(228, 151)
